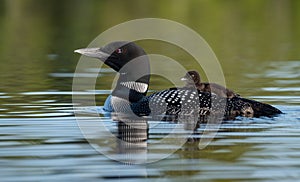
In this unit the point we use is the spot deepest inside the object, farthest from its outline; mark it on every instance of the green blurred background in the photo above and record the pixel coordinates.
(38, 37)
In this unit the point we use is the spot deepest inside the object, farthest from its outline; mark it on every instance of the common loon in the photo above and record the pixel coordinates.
(129, 95)
(193, 79)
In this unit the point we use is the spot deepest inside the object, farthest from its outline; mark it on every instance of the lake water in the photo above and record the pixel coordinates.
(41, 139)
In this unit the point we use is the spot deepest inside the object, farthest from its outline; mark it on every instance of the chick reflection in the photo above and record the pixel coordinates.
(131, 136)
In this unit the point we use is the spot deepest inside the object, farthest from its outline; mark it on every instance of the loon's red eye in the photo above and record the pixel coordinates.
(119, 51)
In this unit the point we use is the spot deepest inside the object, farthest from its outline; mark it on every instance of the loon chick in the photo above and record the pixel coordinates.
(129, 95)
(193, 79)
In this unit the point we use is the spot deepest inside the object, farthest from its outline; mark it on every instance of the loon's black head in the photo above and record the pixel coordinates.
(131, 61)
(116, 54)
(125, 57)
(192, 78)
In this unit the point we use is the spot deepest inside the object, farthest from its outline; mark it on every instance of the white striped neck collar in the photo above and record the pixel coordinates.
(137, 86)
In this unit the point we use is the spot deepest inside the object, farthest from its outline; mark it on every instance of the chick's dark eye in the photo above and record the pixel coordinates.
(119, 51)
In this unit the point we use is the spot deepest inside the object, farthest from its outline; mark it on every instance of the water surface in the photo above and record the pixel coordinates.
(39, 135)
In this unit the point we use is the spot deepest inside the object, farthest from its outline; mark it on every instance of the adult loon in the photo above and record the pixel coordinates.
(129, 95)
(193, 79)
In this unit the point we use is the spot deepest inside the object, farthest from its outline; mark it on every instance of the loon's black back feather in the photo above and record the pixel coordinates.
(172, 102)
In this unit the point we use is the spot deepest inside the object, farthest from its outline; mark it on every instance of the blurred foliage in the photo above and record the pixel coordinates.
(38, 37)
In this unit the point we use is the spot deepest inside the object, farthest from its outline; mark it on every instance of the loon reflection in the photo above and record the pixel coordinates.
(132, 145)
(131, 139)
(130, 93)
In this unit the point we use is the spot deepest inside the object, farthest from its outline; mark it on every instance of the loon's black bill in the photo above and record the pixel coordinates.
(93, 52)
